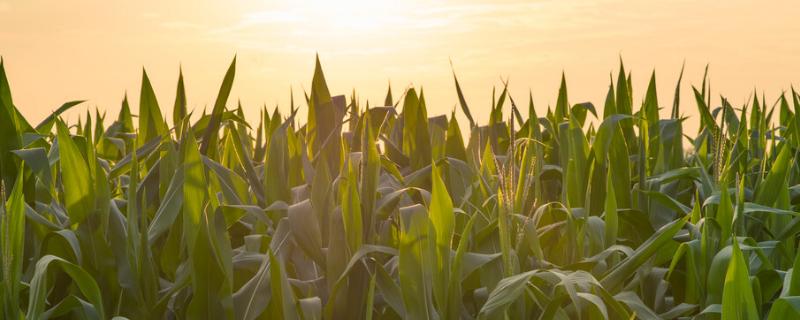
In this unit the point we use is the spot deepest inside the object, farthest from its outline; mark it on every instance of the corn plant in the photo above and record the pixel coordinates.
(385, 212)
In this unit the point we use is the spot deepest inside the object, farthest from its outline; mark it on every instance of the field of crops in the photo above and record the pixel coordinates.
(382, 212)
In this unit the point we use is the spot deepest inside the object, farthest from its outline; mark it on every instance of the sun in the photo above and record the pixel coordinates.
(343, 17)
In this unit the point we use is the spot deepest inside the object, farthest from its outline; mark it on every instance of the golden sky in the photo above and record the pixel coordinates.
(57, 51)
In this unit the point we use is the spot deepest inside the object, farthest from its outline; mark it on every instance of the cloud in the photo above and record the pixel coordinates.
(356, 27)
(347, 26)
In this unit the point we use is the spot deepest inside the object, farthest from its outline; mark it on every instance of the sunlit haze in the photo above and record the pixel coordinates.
(55, 51)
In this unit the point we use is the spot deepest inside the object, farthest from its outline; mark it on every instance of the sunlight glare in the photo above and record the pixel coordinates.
(343, 17)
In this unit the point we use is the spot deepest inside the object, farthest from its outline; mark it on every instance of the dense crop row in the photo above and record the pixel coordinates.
(385, 212)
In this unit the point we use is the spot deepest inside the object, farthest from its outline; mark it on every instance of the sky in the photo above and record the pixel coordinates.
(57, 51)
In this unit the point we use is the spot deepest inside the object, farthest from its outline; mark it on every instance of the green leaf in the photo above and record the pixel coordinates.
(507, 292)
(416, 138)
(442, 218)
(611, 224)
(785, 308)
(194, 189)
(12, 228)
(46, 125)
(179, 109)
(211, 132)
(351, 210)
(737, 296)
(8, 130)
(417, 260)
(615, 277)
(463, 102)
(76, 179)
(769, 189)
(151, 122)
(39, 286)
(441, 211)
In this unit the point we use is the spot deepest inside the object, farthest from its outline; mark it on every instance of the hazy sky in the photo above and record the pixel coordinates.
(57, 51)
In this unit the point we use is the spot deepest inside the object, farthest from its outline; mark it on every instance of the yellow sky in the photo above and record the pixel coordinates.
(57, 51)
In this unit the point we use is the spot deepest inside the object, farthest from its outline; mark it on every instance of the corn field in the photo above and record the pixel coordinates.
(383, 212)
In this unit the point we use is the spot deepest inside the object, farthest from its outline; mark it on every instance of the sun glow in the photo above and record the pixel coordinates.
(343, 18)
